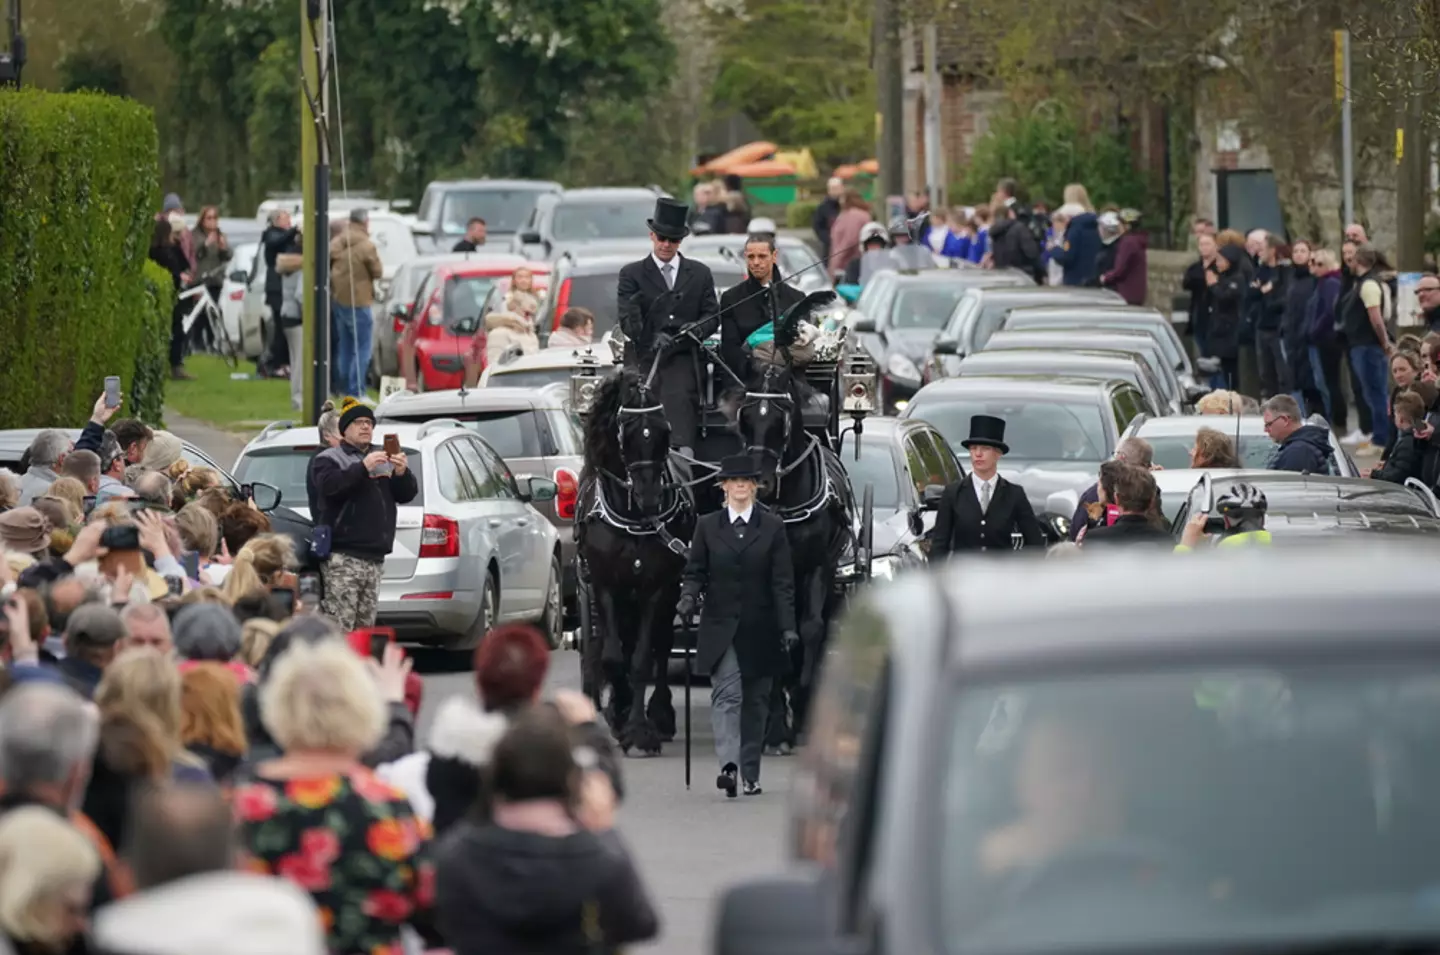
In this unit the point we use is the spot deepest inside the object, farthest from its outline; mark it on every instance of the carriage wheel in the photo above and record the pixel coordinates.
(866, 543)
(591, 678)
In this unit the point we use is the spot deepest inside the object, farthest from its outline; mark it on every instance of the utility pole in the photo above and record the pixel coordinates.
(1347, 139)
(315, 183)
(935, 164)
(890, 84)
(12, 60)
(1412, 165)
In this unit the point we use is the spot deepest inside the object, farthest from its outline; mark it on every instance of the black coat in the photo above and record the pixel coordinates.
(695, 288)
(743, 309)
(960, 526)
(275, 241)
(1128, 530)
(749, 589)
(1227, 297)
(1194, 283)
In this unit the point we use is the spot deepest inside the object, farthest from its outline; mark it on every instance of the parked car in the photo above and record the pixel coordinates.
(874, 297)
(1240, 728)
(1173, 437)
(798, 263)
(1059, 430)
(1084, 339)
(548, 366)
(16, 441)
(532, 429)
(897, 327)
(232, 300)
(448, 206)
(393, 310)
(980, 311)
(470, 551)
(568, 221)
(1307, 506)
(592, 280)
(450, 310)
(900, 458)
(1089, 363)
(1111, 318)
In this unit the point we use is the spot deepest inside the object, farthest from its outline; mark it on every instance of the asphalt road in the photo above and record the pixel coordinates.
(689, 845)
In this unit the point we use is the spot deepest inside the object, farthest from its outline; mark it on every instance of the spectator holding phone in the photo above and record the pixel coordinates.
(359, 487)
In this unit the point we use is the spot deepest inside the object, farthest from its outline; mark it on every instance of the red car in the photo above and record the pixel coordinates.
(460, 294)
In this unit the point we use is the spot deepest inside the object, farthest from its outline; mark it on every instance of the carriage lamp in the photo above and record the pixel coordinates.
(857, 386)
(584, 385)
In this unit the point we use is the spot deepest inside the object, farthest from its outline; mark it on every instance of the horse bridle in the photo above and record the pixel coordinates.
(621, 415)
(785, 405)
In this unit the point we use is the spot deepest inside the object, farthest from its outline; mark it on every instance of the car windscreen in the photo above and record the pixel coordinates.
(924, 306)
(466, 296)
(1035, 429)
(623, 219)
(876, 466)
(1199, 809)
(529, 378)
(1172, 451)
(598, 293)
(504, 210)
(511, 433)
(285, 468)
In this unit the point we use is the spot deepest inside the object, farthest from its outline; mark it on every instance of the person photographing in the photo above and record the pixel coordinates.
(740, 563)
(359, 487)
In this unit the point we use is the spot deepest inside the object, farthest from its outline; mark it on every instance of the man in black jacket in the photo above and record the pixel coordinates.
(740, 563)
(359, 487)
(981, 511)
(1303, 448)
(277, 239)
(750, 305)
(1012, 244)
(661, 296)
(1133, 490)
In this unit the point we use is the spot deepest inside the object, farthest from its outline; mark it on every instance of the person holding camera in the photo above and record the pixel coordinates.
(359, 487)
(740, 563)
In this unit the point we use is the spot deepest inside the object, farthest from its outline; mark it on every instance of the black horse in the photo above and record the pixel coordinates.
(804, 482)
(634, 520)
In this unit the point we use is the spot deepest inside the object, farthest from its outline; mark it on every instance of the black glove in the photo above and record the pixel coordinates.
(790, 639)
(663, 341)
(686, 606)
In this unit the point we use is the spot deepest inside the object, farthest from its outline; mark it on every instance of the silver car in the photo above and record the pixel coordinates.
(798, 262)
(470, 551)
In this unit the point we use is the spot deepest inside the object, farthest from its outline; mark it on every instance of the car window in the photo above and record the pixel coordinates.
(456, 483)
(622, 219)
(936, 469)
(1035, 429)
(992, 313)
(915, 465)
(484, 482)
(466, 296)
(1172, 451)
(961, 317)
(949, 464)
(285, 468)
(924, 306)
(876, 465)
(874, 293)
(1123, 408)
(600, 294)
(567, 431)
(794, 258)
(504, 210)
(493, 473)
(512, 433)
(196, 460)
(1178, 782)
(529, 378)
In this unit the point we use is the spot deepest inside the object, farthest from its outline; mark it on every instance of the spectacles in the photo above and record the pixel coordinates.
(1269, 422)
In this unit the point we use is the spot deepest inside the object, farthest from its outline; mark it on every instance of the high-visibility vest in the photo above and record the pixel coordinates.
(1247, 539)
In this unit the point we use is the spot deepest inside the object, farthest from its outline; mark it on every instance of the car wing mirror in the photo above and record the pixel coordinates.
(266, 496)
(240, 276)
(931, 497)
(540, 490)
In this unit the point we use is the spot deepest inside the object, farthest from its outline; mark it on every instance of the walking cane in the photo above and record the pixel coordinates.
(690, 631)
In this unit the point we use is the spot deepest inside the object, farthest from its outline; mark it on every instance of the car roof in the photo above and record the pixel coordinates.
(281, 434)
(1250, 424)
(538, 185)
(1137, 335)
(466, 400)
(1048, 293)
(1291, 486)
(993, 624)
(598, 194)
(557, 356)
(1014, 386)
(1118, 310)
(1078, 356)
(488, 264)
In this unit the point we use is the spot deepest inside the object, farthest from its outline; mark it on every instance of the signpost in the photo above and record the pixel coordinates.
(1347, 144)
(315, 176)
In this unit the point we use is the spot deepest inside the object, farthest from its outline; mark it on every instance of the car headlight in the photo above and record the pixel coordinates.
(1060, 525)
(900, 366)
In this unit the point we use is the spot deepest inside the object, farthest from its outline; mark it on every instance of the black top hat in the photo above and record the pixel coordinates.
(669, 221)
(738, 466)
(987, 430)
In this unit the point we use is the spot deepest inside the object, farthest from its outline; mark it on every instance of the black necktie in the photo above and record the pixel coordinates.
(739, 525)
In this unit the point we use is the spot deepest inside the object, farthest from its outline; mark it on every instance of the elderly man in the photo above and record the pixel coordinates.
(93, 635)
(154, 489)
(181, 849)
(47, 452)
(354, 269)
(112, 470)
(146, 625)
(47, 744)
(1300, 447)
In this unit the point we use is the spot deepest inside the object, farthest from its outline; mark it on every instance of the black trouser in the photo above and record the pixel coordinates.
(679, 391)
(177, 334)
(276, 354)
(1331, 357)
(1274, 372)
(1230, 371)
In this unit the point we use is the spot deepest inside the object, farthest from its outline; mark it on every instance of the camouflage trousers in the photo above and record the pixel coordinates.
(351, 587)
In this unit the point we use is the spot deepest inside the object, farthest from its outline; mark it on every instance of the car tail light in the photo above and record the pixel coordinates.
(567, 493)
(439, 537)
(562, 302)
(238, 295)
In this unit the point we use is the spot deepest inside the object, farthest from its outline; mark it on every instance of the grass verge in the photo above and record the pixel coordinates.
(214, 398)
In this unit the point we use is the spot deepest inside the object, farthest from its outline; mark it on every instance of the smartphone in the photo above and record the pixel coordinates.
(392, 444)
(176, 585)
(247, 492)
(190, 560)
(309, 588)
(89, 503)
(284, 598)
(372, 641)
(112, 392)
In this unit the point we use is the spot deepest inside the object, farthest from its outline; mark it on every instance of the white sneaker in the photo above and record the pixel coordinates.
(1355, 437)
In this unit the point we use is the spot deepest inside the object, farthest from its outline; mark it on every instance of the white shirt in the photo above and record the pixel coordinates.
(743, 515)
(673, 265)
(980, 485)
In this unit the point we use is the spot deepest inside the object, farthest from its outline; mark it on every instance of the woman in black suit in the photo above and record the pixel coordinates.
(982, 511)
(740, 563)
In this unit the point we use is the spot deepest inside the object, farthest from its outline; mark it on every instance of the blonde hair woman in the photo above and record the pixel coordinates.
(46, 870)
(1077, 195)
(257, 565)
(1220, 402)
(323, 707)
(143, 680)
(72, 492)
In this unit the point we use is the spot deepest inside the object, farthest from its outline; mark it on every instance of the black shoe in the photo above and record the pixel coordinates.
(727, 781)
(752, 789)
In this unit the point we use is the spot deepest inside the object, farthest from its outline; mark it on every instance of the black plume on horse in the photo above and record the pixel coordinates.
(787, 326)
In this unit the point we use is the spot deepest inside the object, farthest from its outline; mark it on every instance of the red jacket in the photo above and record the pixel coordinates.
(1130, 276)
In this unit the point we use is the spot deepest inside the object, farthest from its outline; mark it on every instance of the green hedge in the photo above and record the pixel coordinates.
(78, 190)
(800, 214)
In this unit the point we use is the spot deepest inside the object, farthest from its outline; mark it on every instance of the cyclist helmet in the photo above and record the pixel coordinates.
(872, 231)
(1243, 506)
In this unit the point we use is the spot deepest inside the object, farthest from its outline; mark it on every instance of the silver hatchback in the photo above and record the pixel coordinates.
(470, 551)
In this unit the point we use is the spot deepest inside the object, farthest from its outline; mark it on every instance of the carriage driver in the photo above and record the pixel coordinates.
(740, 563)
(754, 303)
(650, 331)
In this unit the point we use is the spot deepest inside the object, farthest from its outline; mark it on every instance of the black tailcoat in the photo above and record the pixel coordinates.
(676, 380)
(960, 526)
(743, 309)
(749, 588)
